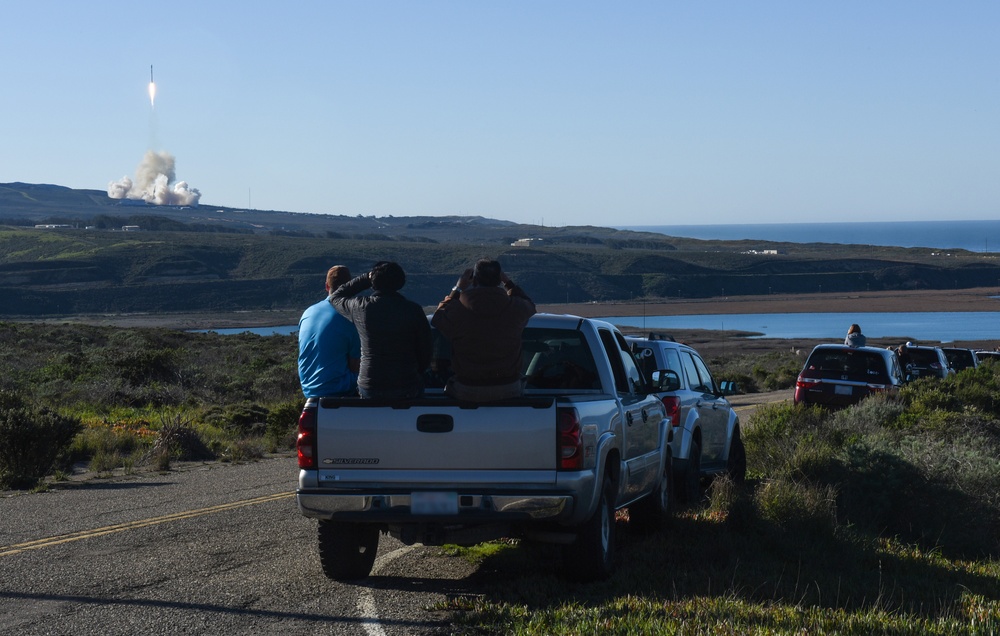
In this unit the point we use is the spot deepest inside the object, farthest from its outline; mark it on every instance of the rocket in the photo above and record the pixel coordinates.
(150, 73)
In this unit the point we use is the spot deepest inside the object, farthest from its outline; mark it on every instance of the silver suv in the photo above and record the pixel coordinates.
(706, 430)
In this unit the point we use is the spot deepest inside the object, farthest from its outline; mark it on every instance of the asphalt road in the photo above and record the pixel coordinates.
(212, 549)
(208, 549)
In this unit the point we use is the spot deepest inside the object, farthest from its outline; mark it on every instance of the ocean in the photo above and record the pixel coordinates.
(974, 236)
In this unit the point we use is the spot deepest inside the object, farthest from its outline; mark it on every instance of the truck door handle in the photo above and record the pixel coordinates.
(435, 423)
(628, 417)
(645, 415)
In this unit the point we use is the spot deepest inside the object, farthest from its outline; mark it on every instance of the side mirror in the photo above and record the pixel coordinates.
(665, 380)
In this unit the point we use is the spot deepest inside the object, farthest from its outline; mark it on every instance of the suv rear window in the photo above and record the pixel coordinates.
(923, 357)
(848, 364)
(645, 357)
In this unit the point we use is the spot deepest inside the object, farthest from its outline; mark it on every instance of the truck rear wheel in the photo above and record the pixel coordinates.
(591, 557)
(347, 550)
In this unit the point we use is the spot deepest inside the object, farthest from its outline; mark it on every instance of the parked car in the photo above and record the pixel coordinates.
(837, 375)
(960, 359)
(988, 356)
(926, 361)
(706, 430)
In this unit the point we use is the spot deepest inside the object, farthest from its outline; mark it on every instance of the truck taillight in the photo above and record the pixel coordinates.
(306, 442)
(569, 444)
(673, 405)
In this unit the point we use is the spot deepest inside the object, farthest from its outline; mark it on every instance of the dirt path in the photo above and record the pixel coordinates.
(746, 403)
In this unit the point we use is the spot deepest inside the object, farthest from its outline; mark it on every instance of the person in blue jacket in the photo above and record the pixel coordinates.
(329, 346)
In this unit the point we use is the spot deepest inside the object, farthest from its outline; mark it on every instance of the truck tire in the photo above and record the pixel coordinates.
(347, 550)
(736, 464)
(654, 511)
(591, 556)
(690, 482)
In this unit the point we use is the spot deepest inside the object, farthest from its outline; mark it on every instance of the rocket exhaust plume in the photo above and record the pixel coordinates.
(154, 183)
(154, 177)
(152, 88)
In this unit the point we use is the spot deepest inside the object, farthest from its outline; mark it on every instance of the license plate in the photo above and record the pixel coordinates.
(434, 503)
(842, 389)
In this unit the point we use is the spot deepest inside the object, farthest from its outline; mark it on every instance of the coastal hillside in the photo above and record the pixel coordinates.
(219, 259)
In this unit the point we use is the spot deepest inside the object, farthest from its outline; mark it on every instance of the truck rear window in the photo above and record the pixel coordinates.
(557, 359)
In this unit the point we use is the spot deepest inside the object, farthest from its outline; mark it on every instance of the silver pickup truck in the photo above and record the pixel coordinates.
(586, 439)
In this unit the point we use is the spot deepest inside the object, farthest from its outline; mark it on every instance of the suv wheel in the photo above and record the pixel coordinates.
(653, 511)
(736, 464)
(689, 484)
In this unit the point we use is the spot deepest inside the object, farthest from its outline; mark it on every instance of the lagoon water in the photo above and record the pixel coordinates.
(942, 326)
(975, 236)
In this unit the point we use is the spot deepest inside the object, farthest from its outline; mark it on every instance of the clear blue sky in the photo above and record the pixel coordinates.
(541, 111)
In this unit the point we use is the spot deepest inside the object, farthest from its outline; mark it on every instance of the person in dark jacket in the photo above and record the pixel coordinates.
(483, 318)
(395, 336)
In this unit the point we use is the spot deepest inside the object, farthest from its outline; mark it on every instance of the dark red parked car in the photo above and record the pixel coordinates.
(838, 376)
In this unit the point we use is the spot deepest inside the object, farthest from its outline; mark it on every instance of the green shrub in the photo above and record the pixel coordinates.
(31, 440)
(771, 433)
(283, 420)
(242, 450)
(927, 472)
(244, 418)
(770, 371)
(798, 506)
(177, 439)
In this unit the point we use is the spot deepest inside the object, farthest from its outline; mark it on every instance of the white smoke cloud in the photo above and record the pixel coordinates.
(154, 183)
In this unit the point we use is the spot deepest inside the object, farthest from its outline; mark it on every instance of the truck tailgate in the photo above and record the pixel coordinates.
(436, 434)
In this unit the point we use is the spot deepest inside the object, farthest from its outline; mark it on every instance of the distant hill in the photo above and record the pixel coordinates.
(212, 258)
(27, 204)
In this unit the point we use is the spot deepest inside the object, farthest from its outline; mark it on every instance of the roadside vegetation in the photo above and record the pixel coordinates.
(771, 371)
(883, 518)
(109, 399)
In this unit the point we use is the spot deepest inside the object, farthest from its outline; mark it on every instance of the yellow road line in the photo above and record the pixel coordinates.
(17, 548)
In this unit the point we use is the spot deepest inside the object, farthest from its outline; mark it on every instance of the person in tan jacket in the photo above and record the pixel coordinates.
(483, 318)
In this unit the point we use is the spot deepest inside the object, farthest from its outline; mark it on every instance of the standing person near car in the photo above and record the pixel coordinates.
(329, 347)
(854, 337)
(903, 354)
(395, 336)
(483, 318)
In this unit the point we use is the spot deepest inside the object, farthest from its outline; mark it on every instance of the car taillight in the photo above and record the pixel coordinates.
(306, 441)
(877, 388)
(673, 405)
(804, 382)
(569, 444)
